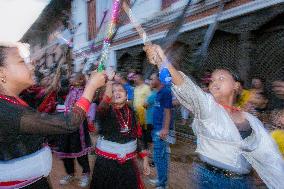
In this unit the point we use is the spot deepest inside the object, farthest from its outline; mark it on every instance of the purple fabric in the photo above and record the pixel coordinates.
(74, 155)
(73, 96)
(92, 112)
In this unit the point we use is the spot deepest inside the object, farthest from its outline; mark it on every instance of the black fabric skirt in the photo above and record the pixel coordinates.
(75, 144)
(110, 174)
(40, 184)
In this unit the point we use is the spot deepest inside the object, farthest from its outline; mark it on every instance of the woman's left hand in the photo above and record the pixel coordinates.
(164, 133)
(110, 73)
(155, 54)
(146, 166)
(278, 88)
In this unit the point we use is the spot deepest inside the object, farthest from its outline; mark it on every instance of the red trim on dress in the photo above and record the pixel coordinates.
(91, 127)
(115, 156)
(13, 184)
(18, 184)
(49, 103)
(143, 154)
(13, 101)
(84, 104)
(138, 175)
(107, 99)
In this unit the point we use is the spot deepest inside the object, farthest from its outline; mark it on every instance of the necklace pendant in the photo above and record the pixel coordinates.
(124, 129)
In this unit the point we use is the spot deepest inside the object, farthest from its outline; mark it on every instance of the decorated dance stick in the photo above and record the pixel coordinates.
(107, 40)
(165, 75)
(173, 32)
(209, 36)
(135, 23)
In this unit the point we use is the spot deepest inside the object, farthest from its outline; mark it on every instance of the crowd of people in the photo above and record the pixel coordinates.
(133, 117)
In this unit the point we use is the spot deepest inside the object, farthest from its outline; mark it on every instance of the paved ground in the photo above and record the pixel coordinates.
(181, 159)
(182, 156)
(178, 170)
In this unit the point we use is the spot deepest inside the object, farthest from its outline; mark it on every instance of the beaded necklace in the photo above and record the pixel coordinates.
(17, 101)
(232, 108)
(123, 122)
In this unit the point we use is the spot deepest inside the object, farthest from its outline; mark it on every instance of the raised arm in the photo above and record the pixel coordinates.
(33, 122)
(187, 92)
(105, 103)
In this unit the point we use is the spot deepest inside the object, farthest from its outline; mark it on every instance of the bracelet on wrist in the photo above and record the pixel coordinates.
(84, 104)
(143, 154)
(164, 64)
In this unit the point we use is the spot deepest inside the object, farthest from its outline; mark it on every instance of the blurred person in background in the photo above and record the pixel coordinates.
(141, 93)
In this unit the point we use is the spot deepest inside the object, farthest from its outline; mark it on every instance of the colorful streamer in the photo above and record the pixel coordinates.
(107, 40)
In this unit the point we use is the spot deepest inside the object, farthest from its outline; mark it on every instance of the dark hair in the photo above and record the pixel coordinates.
(64, 82)
(156, 74)
(262, 80)
(234, 74)
(64, 87)
(140, 75)
(117, 83)
(2, 55)
(123, 75)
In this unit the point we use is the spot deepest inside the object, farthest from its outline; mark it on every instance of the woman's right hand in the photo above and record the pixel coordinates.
(278, 88)
(145, 105)
(155, 54)
(146, 167)
(96, 80)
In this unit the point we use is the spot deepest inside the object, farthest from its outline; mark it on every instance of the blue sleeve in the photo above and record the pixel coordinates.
(151, 99)
(130, 93)
(166, 101)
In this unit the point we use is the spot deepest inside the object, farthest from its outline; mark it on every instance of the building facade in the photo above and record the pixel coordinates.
(245, 29)
(248, 34)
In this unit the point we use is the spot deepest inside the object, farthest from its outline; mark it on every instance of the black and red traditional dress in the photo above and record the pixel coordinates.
(117, 147)
(25, 161)
(78, 144)
(75, 144)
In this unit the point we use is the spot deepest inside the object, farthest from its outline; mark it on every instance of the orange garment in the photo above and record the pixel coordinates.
(278, 136)
(141, 94)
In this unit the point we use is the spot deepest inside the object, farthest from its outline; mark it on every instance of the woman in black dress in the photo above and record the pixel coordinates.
(118, 144)
(24, 161)
(75, 145)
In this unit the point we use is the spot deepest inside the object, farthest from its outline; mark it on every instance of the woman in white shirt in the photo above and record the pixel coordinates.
(230, 142)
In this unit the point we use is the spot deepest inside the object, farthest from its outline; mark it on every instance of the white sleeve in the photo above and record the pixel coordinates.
(264, 155)
(193, 98)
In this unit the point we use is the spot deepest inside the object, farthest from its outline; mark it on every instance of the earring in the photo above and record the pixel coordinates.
(3, 80)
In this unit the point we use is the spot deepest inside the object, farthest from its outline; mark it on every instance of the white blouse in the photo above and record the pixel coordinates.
(219, 141)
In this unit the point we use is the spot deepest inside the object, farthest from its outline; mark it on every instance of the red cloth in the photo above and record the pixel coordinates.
(115, 156)
(91, 127)
(49, 103)
(107, 99)
(11, 183)
(143, 154)
(84, 104)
